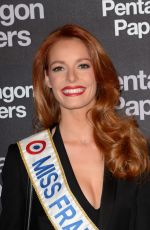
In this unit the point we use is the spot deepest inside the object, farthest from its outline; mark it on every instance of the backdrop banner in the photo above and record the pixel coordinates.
(123, 27)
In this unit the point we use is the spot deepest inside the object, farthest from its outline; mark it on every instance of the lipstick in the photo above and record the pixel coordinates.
(73, 90)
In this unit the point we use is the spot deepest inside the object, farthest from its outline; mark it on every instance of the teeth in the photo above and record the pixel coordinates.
(70, 91)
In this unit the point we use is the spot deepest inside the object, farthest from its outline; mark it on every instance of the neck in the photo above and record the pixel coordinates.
(76, 126)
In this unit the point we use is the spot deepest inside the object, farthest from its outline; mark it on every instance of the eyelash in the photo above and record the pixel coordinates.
(80, 66)
(57, 68)
(84, 66)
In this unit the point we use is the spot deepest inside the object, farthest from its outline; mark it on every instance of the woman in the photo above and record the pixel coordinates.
(87, 172)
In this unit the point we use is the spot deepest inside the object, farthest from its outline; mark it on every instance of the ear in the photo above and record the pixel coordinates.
(47, 80)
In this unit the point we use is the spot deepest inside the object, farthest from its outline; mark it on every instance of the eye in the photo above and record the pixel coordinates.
(84, 66)
(57, 69)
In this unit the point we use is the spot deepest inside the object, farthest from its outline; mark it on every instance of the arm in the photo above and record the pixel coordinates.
(13, 191)
(143, 206)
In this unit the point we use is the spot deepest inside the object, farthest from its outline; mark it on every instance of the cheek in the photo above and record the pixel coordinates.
(91, 81)
(54, 82)
(91, 77)
(93, 86)
(57, 80)
(56, 86)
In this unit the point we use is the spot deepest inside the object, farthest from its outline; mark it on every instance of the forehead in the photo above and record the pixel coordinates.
(69, 47)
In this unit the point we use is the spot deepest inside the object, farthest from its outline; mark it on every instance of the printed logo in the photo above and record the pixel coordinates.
(122, 10)
(36, 147)
(10, 14)
(2, 159)
(8, 95)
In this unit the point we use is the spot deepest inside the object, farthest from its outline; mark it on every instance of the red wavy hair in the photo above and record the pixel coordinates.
(119, 139)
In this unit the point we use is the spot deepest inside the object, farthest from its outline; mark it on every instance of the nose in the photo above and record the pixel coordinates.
(71, 75)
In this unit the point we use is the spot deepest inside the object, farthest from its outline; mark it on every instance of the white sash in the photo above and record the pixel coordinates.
(49, 181)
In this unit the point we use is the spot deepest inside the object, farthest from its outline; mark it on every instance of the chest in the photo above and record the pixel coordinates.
(88, 167)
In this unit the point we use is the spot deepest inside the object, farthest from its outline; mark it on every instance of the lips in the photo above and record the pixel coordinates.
(73, 91)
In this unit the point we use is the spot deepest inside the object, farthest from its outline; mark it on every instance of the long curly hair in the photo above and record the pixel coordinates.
(118, 138)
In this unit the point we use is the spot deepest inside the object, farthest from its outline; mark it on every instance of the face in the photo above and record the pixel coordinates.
(71, 75)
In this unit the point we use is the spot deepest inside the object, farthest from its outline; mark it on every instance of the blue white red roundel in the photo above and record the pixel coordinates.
(36, 147)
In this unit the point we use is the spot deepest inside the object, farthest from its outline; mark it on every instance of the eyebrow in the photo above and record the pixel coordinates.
(78, 60)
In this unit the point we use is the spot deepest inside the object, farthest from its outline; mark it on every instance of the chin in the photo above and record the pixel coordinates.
(78, 107)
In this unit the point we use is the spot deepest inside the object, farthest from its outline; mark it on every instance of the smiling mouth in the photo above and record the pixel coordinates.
(73, 91)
